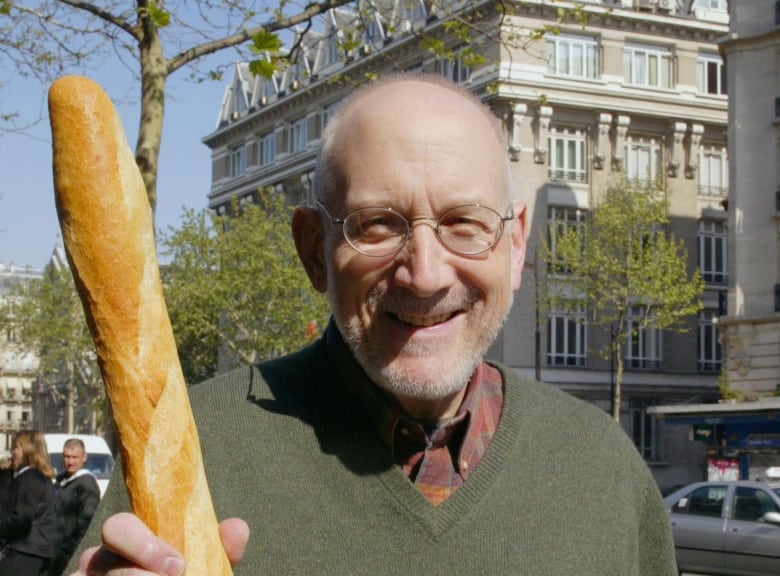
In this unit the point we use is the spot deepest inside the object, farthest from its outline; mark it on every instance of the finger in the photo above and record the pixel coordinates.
(104, 562)
(84, 561)
(235, 535)
(129, 538)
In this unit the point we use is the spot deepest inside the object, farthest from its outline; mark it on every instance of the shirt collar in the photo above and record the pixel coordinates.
(399, 432)
(21, 471)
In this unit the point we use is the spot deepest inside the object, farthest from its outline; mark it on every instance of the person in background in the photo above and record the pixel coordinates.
(6, 476)
(28, 522)
(78, 496)
(391, 445)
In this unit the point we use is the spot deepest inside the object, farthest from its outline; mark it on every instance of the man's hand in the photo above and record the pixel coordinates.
(130, 549)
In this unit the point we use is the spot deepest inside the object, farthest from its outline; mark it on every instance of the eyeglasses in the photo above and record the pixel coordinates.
(466, 230)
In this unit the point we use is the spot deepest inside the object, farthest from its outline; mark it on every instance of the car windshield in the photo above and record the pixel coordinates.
(101, 465)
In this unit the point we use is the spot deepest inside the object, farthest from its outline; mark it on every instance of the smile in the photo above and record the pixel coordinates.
(424, 321)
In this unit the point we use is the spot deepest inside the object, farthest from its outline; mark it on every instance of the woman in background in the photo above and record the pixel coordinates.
(28, 522)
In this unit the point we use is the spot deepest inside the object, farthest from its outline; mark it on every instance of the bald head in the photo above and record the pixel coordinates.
(402, 102)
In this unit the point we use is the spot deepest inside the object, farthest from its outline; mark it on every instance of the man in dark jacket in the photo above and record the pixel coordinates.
(78, 495)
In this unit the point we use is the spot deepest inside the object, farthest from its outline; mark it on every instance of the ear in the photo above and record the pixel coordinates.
(519, 242)
(309, 242)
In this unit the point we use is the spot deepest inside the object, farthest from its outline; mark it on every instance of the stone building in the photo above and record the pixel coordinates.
(742, 433)
(751, 328)
(17, 367)
(638, 90)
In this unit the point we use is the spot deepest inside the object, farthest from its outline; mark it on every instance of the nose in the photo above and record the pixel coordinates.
(422, 263)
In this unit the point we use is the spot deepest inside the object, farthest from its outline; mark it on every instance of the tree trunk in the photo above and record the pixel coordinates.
(69, 409)
(618, 380)
(154, 74)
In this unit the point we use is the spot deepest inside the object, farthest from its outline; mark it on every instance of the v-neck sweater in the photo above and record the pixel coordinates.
(560, 490)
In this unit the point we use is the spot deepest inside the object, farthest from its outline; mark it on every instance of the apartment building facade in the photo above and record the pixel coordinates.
(17, 367)
(742, 433)
(752, 326)
(638, 91)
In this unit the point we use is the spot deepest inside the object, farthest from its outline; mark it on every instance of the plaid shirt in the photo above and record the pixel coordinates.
(437, 456)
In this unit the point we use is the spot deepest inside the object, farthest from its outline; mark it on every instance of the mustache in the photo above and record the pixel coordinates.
(404, 302)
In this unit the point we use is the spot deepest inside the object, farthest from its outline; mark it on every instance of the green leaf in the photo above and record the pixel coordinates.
(263, 42)
(262, 68)
(159, 16)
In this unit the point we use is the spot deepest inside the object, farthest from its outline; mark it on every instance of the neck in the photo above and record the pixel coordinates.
(432, 410)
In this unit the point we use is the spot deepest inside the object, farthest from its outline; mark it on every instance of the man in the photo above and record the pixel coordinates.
(78, 496)
(390, 445)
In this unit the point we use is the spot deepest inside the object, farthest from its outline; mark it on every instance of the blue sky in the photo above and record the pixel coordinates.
(28, 220)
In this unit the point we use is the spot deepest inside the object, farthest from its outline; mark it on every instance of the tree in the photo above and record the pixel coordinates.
(153, 40)
(47, 317)
(46, 38)
(234, 284)
(623, 269)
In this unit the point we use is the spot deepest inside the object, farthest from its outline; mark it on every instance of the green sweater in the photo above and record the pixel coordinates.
(561, 491)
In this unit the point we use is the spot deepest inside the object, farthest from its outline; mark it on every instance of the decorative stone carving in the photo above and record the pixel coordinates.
(692, 149)
(619, 132)
(541, 134)
(677, 138)
(601, 140)
(515, 123)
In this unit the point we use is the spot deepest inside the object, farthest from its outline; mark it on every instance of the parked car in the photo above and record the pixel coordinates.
(729, 528)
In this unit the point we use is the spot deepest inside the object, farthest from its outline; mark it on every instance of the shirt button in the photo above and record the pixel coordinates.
(464, 465)
(404, 431)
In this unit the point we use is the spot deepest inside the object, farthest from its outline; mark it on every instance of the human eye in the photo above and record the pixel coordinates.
(471, 221)
(375, 225)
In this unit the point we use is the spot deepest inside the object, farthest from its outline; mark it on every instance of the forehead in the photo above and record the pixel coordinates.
(413, 141)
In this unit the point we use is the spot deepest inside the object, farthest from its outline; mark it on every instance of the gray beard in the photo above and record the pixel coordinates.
(439, 381)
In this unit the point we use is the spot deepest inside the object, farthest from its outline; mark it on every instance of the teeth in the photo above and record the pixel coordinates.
(426, 321)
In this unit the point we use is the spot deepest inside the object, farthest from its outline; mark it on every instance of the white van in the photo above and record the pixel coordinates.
(99, 459)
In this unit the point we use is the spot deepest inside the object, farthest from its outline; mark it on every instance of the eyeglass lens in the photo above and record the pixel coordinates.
(465, 229)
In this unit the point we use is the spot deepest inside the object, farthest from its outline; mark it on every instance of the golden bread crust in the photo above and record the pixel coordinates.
(108, 232)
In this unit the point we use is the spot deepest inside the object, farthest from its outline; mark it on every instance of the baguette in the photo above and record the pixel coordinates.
(109, 239)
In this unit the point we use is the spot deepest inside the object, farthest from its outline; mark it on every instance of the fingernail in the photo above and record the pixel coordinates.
(173, 566)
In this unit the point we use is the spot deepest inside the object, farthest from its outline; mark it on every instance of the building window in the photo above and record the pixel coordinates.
(643, 350)
(643, 159)
(710, 358)
(567, 154)
(299, 135)
(237, 161)
(266, 148)
(329, 112)
(713, 172)
(566, 336)
(412, 11)
(560, 220)
(711, 75)
(575, 56)
(647, 66)
(267, 89)
(375, 29)
(238, 101)
(713, 251)
(331, 53)
(716, 5)
(453, 69)
(644, 427)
